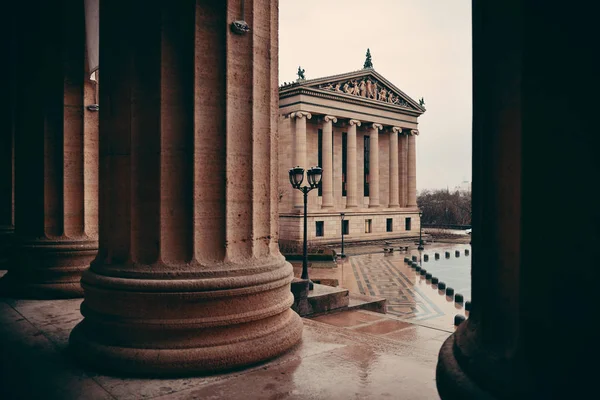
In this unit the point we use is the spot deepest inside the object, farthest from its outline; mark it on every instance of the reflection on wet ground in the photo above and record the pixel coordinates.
(410, 296)
(454, 270)
(349, 355)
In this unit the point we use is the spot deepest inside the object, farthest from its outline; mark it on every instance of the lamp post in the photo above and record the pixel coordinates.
(420, 247)
(313, 176)
(342, 215)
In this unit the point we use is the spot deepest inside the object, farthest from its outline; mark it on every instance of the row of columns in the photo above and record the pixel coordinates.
(187, 275)
(55, 154)
(402, 162)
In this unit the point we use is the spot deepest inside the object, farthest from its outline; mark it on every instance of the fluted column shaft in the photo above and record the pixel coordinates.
(300, 118)
(393, 160)
(328, 121)
(515, 343)
(374, 166)
(7, 125)
(351, 168)
(189, 277)
(403, 170)
(55, 154)
(412, 170)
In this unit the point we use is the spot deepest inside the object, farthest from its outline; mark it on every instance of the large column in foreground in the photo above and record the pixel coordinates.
(300, 118)
(393, 161)
(55, 155)
(352, 192)
(411, 174)
(189, 278)
(328, 121)
(374, 165)
(7, 125)
(528, 334)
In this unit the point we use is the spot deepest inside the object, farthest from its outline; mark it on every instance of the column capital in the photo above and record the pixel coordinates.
(328, 118)
(354, 122)
(414, 132)
(301, 114)
(396, 129)
(378, 127)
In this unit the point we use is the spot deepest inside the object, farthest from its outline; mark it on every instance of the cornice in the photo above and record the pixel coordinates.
(345, 98)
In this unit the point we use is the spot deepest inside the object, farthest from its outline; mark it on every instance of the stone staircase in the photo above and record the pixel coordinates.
(325, 299)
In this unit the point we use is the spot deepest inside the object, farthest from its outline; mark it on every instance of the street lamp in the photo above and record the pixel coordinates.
(342, 215)
(420, 247)
(313, 176)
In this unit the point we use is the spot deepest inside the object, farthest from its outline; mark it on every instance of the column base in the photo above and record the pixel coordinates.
(374, 205)
(451, 381)
(47, 269)
(185, 326)
(234, 347)
(466, 369)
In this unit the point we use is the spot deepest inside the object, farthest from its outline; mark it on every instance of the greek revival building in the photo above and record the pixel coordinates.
(362, 130)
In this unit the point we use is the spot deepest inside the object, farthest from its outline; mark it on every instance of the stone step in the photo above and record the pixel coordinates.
(325, 298)
(364, 302)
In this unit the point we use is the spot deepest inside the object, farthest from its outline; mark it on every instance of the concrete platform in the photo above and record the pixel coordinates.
(346, 355)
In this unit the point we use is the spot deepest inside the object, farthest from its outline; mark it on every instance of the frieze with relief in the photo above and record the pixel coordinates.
(368, 88)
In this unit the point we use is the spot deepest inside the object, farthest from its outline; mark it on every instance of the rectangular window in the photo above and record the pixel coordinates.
(389, 225)
(366, 165)
(368, 225)
(319, 228)
(344, 162)
(407, 222)
(346, 227)
(320, 156)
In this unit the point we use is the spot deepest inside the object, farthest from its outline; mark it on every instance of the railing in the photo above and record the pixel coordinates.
(446, 226)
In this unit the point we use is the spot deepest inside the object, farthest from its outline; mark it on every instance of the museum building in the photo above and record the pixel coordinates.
(361, 129)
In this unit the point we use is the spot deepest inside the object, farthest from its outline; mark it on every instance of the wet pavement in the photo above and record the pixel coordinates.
(455, 270)
(349, 355)
(410, 296)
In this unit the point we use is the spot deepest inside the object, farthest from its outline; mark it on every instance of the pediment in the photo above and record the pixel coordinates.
(366, 84)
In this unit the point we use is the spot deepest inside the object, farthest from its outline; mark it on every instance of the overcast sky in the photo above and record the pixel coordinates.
(421, 46)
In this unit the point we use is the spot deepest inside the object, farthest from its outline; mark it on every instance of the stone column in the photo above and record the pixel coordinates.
(527, 334)
(403, 159)
(300, 151)
(189, 278)
(7, 125)
(55, 155)
(351, 169)
(393, 177)
(412, 170)
(327, 183)
(374, 166)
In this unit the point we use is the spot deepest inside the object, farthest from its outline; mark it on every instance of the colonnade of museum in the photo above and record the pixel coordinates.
(402, 179)
(189, 277)
(177, 258)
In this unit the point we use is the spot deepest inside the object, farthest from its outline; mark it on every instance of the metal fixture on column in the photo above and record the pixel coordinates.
(342, 216)
(240, 26)
(420, 247)
(313, 176)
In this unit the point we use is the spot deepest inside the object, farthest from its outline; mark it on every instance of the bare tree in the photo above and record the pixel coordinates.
(444, 207)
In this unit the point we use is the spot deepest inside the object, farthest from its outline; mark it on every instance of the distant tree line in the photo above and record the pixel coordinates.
(444, 207)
